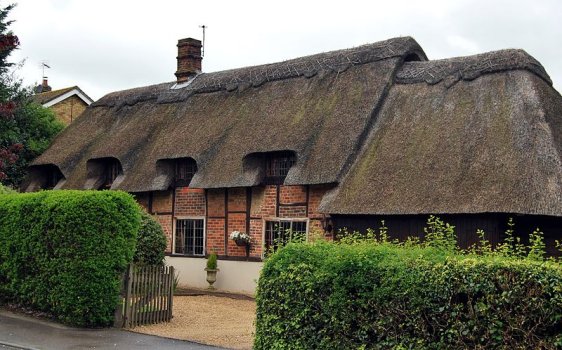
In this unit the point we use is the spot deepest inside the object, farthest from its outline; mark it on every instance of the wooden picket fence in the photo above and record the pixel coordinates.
(147, 296)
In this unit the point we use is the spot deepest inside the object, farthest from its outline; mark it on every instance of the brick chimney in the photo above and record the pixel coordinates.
(44, 87)
(189, 59)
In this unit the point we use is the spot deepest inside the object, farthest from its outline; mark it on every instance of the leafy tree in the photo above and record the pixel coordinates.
(26, 128)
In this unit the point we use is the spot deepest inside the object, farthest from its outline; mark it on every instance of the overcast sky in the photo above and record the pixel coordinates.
(109, 45)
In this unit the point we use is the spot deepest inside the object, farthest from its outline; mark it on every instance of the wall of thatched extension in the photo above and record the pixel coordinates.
(494, 225)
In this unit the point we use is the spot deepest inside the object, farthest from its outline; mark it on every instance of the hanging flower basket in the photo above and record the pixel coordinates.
(240, 238)
(240, 242)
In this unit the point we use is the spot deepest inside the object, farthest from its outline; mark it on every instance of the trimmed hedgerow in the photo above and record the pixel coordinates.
(63, 252)
(151, 242)
(388, 295)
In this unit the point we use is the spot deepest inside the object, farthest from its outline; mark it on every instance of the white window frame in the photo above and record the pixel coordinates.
(176, 218)
(264, 227)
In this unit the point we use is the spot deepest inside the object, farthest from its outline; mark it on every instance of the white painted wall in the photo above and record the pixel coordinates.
(234, 276)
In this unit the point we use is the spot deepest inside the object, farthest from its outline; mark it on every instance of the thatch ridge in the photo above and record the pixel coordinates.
(132, 96)
(469, 67)
(254, 76)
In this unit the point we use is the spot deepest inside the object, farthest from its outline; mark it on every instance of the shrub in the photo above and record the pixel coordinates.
(151, 242)
(385, 295)
(6, 189)
(212, 261)
(63, 252)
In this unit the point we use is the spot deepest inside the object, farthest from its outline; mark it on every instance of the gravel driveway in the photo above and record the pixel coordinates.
(206, 319)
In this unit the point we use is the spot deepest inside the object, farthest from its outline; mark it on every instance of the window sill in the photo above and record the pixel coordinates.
(176, 255)
(220, 257)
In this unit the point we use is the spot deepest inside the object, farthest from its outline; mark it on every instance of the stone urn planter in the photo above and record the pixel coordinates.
(211, 277)
(212, 270)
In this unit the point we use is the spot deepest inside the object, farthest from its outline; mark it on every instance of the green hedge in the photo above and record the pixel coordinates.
(151, 242)
(62, 252)
(405, 296)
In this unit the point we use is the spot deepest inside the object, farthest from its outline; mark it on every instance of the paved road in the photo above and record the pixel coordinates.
(21, 332)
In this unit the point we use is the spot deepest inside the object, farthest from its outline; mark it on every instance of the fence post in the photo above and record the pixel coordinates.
(170, 293)
(119, 316)
(127, 311)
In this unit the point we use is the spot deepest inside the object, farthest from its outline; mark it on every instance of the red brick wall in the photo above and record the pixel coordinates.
(189, 202)
(269, 203)
(215, 221)
(162, 202)
(166, 223)
(292, 211)
(263, 203)
(215, 203)
(315, 194)
(215, 236)
(237, 213)
(256, 232)
(237, 199)
(236, 222)
(292, 194)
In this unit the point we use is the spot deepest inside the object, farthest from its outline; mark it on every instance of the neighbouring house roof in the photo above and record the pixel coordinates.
(398, 133)
(49, 98)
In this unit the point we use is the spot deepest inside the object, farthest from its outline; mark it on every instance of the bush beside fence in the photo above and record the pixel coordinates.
(406, 296)
(63, 252)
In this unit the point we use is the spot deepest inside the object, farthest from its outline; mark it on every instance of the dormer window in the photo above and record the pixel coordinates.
(277, 166)
(53, 177)
(185, 169)
(43, 177)
(112, 169)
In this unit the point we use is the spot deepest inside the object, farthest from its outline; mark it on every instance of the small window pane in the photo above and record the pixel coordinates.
(280, 232)
(190, 237)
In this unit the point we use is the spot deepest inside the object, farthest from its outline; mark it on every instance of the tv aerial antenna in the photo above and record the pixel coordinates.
(43, 65)
(203, 43)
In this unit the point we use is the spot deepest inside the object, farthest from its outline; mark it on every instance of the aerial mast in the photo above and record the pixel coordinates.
(203, 42)
(44, 64)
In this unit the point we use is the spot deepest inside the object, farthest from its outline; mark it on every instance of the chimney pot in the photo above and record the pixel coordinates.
(189, 59)
(44, 87)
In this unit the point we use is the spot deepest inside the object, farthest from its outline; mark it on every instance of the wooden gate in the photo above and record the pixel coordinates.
(147, 296)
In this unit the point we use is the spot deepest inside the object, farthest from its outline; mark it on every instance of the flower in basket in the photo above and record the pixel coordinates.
(241, 238)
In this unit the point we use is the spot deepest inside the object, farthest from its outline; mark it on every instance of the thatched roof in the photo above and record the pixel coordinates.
(320, 107)
(464, 135)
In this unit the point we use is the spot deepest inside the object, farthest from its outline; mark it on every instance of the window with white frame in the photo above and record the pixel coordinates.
(281, 231)
(189, 238)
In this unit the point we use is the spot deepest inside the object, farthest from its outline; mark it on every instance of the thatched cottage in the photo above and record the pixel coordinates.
(338, 139)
